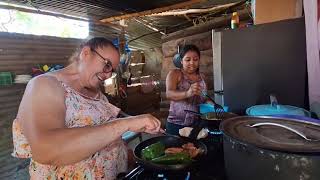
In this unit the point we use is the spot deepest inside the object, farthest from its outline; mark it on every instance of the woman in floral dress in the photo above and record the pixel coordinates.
(67, 126)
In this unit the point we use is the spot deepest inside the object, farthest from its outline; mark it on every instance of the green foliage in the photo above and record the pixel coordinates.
(24, 18)
(29, 23)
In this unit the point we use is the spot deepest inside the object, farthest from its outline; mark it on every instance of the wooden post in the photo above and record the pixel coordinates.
(121, 83)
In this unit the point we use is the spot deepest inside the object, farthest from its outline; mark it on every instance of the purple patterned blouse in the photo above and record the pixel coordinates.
(177, 115)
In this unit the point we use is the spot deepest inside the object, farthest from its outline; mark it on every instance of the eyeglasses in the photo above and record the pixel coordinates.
(108, 65)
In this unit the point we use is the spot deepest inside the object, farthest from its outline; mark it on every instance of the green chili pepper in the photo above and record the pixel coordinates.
(153, 151)
(170, 159)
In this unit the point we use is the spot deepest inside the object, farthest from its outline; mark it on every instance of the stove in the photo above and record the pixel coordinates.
(212, 168)
(197, 173)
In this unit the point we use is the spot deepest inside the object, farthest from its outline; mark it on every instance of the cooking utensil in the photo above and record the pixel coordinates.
(168, 141)
(132, 173)
(210, 120)
(165, 133)
(218, 109)
(271, 147)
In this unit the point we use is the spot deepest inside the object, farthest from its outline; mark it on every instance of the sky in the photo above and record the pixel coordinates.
(37, 24)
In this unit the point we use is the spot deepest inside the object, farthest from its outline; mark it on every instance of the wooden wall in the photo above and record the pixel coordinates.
(18, 54)
(139, 102)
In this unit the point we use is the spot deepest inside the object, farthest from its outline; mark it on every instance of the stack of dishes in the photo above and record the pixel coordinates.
(22, 79)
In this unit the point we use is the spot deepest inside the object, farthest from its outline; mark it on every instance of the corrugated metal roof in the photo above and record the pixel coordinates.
(137, 29)
(99, 9)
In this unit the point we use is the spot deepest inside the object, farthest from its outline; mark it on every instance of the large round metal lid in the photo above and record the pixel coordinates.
(268, 109)
(279, 134)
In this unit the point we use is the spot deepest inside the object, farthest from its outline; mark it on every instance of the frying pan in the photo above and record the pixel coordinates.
(168, 141)
(209, 120)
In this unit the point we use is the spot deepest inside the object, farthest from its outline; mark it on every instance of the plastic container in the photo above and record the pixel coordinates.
(235, 20)
(5, 78)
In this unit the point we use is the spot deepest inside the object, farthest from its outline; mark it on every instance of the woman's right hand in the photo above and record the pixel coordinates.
(195, 89)
(145, 123)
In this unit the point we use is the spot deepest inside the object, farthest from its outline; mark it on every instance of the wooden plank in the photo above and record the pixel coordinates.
(152, 11)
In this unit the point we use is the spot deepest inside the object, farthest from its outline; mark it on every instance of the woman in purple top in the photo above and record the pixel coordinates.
(183, 88)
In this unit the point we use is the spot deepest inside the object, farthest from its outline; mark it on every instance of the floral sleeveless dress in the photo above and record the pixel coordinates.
(80, 112)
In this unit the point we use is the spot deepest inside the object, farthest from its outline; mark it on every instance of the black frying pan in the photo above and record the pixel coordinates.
(209, 120)
(168, 141)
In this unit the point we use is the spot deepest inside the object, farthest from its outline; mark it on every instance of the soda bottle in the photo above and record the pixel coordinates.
(234, 20)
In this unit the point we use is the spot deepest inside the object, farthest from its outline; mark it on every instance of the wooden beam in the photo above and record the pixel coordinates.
(208, 26)
(192, 11)
(152, 11)
(147, 24)
(29, 10)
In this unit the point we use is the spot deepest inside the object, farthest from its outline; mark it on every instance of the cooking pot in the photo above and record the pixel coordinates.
(264, 148)
(274, 108)
(295, 117)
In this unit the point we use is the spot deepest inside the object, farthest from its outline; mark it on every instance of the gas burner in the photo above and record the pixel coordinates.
(214, 131)
(202, 172)
(146, 174)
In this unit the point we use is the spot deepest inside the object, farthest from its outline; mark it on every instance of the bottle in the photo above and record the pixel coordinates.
(234, 20)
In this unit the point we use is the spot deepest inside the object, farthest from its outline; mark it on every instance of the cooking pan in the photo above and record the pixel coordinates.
(168, 141)
(209, 120)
